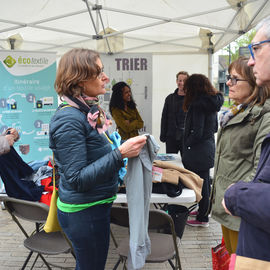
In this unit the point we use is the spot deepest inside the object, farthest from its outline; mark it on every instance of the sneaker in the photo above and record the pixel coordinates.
(196, 223)
(193, 213)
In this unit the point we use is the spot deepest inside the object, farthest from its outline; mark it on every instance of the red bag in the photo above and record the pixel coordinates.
(220, 257)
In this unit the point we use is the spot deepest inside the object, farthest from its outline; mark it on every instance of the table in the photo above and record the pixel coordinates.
(187, 196)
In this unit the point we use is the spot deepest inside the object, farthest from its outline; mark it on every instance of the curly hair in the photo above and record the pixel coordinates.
(117, 101)
(75, 66)
(258, 94)
(197, 85)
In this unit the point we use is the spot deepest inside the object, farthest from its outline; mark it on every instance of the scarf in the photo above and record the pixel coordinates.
(96, 117)
(226, 116)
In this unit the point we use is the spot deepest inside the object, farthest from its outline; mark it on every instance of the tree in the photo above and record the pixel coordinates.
(233, 47)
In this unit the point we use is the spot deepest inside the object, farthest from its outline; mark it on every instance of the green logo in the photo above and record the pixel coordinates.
(9, 61)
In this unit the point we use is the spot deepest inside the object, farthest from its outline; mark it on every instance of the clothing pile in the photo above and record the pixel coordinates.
(22, 181)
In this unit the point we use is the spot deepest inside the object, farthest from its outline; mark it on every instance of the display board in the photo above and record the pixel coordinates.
(28, 99)
(136, 71)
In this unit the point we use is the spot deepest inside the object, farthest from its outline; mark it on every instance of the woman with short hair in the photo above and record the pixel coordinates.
(87, 164)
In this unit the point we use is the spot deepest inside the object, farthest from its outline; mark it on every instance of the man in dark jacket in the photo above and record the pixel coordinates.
(250, 200)
(173, 117)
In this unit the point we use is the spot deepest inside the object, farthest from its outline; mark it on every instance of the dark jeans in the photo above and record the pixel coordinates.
(204, 202)
(173, 146)
(89, 232)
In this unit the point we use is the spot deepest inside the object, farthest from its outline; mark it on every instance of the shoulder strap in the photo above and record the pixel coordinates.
(63, 105)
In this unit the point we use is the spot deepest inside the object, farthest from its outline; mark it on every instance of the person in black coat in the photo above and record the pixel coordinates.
(173, 117)
(202, 102)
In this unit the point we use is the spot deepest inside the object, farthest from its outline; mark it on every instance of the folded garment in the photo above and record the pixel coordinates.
(172, 173)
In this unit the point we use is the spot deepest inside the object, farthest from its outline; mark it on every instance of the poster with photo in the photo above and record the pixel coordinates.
(136, 70)
(28, 100)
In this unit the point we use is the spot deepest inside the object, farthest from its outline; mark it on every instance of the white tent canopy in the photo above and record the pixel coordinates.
(180, 34)
(111, 26)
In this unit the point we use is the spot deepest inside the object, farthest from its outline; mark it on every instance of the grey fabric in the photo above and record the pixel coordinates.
(138, 182)
(42, 173)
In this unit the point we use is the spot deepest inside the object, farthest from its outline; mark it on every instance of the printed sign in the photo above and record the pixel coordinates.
(136, 70)
(28, 100)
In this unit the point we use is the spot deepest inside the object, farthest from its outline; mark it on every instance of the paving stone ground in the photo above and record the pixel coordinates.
(195, 248)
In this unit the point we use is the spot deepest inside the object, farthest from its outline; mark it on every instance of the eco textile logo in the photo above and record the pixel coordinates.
(9, 61)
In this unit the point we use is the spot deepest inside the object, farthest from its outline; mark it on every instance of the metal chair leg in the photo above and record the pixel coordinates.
(171, 264)
(113, 238)
(34, 262)
(43, 259)
(125, 264)
(117, 264)
(27, 260)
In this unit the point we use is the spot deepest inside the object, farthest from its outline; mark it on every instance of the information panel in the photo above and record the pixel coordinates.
(28, 99)
(136, 70)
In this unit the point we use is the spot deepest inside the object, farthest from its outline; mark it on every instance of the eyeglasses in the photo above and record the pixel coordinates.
(234, 80)
(254, 46)
(101, 73)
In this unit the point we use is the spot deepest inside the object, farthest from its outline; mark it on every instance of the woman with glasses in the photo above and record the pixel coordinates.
(87, 165)
(124, 112)
(242, 130)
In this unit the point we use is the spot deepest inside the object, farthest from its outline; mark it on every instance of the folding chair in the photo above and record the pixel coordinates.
(38, 241)
(164, 247)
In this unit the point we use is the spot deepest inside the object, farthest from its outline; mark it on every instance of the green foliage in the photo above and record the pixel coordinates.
(227, 103)
(246, 39)
(242, 41)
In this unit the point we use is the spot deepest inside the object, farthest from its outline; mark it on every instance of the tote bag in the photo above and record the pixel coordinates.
(220, 257)
(52, 224)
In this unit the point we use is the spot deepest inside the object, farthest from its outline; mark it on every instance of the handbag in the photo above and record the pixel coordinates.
(170, 189)
(52, 224)
(220, 257)
(179, 215)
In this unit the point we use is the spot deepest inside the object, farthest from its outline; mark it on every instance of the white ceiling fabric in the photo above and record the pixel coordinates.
(155, 26)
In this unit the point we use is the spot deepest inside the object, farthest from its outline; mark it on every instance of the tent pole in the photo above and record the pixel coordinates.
(104, 31)
(210, 64)
(91, 17)
(210, 51)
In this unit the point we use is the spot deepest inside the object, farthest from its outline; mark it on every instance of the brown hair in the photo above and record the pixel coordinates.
(74, 67)
(258, 94)
(181, 73)
(196, 85)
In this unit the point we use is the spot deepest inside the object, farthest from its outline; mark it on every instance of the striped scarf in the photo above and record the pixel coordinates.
(226, 116)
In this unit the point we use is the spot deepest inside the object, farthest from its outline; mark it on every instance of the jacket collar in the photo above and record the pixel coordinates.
(176, 91)
(251, 113)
